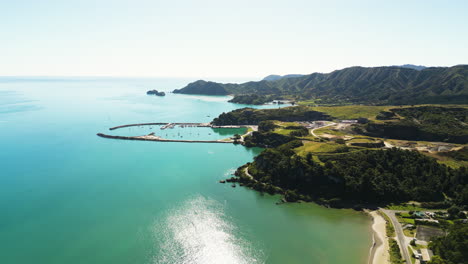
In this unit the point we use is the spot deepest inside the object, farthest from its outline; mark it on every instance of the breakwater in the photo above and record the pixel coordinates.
(152, 137)
(163, 124)
(155, 138)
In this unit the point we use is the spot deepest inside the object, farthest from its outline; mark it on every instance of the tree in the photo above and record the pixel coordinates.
(266, 126)
(236, 138)
(340, 141)
(452, 248)
(437, 260)
(453, 212)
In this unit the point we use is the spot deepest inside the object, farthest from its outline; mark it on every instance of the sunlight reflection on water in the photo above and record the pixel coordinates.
(197, 232)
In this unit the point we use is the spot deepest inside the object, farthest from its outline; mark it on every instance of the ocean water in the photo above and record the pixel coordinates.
(68, 196)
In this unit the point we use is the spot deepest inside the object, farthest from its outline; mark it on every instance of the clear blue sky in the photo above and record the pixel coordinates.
(217, 38)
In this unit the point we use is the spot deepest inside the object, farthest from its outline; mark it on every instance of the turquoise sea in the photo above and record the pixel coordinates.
(68, 196)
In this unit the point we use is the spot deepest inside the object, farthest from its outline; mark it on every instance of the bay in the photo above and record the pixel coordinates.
(68, 196)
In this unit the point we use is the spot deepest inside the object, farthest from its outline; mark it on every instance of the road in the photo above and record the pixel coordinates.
(246, 170)
(254, 128)
(312, 130)
(400, 235)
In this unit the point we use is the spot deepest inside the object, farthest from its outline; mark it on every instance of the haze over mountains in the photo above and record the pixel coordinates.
(374, 85)
(412, 66)
(275, 77)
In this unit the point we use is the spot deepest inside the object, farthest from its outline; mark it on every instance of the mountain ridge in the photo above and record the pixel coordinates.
(367, 85)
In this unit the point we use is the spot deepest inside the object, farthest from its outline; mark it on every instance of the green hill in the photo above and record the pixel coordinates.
(377, 85)
(203, 87)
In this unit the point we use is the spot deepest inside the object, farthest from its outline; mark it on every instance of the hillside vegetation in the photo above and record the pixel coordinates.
(429, 123)
(252, 99)
(376, 176)
(250, 116)
(202, 87)
(378, 85)
(453, 247)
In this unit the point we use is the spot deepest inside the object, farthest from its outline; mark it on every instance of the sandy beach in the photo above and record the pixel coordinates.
(379, 249)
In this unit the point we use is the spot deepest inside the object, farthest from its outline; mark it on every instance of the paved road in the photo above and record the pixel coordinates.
(400, 235)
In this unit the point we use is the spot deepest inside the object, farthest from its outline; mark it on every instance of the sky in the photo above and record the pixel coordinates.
(217, 38)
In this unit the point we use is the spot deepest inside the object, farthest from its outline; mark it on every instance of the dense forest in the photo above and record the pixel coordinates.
(375, 176)
(265, 138)
(378, 85)
(452, 248)
(428, 123)
(250, 116)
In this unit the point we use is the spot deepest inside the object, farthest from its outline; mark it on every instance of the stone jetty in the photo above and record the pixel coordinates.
(153, 137)
(166, 124)
(156, 138)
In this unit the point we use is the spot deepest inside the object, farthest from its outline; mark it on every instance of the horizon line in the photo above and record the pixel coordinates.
(206, 77)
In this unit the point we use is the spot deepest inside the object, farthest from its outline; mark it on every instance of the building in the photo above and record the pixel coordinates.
(419, 214)
(349, 121)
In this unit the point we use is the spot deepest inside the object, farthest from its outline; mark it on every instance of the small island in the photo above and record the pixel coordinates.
(155, 92)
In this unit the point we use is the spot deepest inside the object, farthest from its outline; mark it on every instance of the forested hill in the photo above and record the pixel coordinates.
(378, 85)
(202, 87)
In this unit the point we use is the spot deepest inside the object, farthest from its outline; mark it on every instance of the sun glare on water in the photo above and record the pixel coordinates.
(197, 232)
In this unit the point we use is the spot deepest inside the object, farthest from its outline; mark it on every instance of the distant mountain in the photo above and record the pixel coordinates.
(377, 85)
(412, 66)
(274, 77)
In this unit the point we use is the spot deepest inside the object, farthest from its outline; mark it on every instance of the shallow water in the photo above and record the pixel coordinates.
(68, 196)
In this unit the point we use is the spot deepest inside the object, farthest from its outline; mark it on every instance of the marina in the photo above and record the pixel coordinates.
(179, 136)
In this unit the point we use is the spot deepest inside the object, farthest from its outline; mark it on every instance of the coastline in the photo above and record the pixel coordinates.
(379, 249)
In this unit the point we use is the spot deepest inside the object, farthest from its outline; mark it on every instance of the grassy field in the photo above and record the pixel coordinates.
(318, 147)
(390, 230)
(395, 255)
(451, 162)
(285, 124)
(407, 207)
(413, 259)
(356, 111)
(328, 130)
(405, 220)
(352, 111)
(409, 232)
(362, 140)
(282, 130)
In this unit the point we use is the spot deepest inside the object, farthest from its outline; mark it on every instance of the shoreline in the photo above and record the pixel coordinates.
(378, 252)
